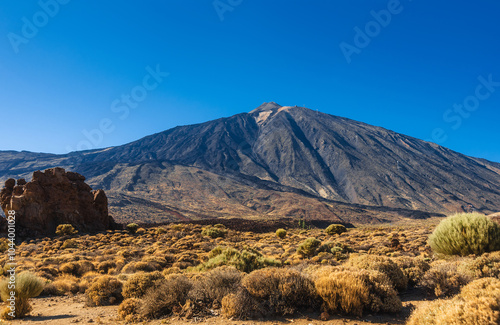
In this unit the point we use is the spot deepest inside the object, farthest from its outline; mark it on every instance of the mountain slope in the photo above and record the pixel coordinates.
(291, 151)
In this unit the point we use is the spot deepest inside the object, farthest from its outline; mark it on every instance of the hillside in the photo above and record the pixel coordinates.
(274, 162)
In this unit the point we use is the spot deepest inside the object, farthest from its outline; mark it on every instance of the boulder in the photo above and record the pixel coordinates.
(55, 197)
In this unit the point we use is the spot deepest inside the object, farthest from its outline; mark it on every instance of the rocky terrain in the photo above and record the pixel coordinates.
(277, 162)
(55, 197)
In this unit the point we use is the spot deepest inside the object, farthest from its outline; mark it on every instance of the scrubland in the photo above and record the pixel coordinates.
(191, 273)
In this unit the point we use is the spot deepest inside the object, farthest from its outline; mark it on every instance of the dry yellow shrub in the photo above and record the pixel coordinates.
(478, 303)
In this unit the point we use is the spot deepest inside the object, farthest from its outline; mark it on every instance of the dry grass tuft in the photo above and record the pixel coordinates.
(477, 303)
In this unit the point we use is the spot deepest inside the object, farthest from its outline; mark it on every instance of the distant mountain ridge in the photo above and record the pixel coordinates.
(255, 164)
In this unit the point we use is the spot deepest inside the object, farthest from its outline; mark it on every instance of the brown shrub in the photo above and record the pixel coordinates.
(106, 290)
(129, 310)
(281, 291)
(353, 291)
(137, 284)
(413, 268)
(210, 287)
(105, 267)
(486, 265)
(477, 303)
(62, 285)
(164, 296)
(444, 278)
(77, 268)
(382, 264)
(240, 305)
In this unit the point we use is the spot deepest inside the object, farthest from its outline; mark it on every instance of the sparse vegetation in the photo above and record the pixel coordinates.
(464, 234)
(246, 274)
(477, 303)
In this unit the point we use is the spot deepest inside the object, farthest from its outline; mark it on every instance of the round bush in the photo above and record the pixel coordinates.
(214, 231)
(132, 228)
(281, 233)
(465, 234)
(335, 229)
(308, 247)
(65, 229)
(107, 290)
(382, 264)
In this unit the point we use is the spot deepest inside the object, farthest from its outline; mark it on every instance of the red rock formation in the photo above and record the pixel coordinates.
(55, 197)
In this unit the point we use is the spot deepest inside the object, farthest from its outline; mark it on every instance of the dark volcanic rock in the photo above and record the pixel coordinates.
(55, 197)
(277, 161)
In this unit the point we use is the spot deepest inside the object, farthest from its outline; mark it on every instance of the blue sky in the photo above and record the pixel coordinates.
(73, 73)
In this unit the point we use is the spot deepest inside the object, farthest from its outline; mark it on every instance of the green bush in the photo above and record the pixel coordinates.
(66, 229)
(28, 286)
(246, 260)
(308, 247)
(335, 229)
(214, 231)
(465, 234)
(69, 243)
(281, 233)
(132, 228)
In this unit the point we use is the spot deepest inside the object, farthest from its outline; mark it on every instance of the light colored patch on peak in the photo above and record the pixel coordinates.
(263, 116)
(285, 108)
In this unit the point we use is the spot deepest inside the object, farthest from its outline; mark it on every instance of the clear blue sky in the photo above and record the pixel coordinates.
(70, 73)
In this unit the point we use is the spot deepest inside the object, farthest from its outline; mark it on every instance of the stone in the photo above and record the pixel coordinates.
(55, 197)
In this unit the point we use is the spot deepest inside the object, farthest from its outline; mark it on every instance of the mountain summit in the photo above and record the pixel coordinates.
(251, 161)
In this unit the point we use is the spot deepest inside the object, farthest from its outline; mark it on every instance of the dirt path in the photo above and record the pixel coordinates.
(72, 310)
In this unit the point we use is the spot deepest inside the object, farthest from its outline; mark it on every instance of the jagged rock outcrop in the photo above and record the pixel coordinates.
(55, 197)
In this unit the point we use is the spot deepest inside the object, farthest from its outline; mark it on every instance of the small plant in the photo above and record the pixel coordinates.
(477, 303)
(335, 229)
(353, 291)
(129, 309)
(281, 233)
(167, 294)
(4, 244)
(27, 285)
(308, 247)
(214, 231)
(382, 264)
(445, 278)
(65, 230)
(132, 228)
(284, 291)
(240, 305)
(69, 243)
(107, 290)
(302, 224)
(245, 260)
(137, 285)
(465, 234)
